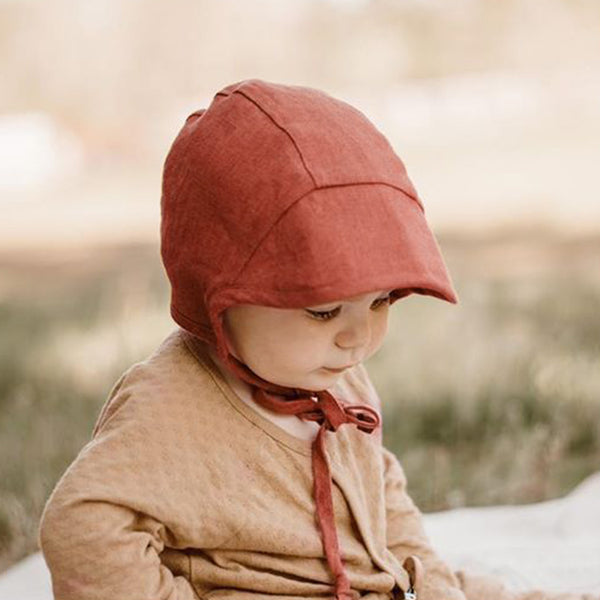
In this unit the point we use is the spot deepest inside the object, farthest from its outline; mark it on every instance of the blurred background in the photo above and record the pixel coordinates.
(494, 108)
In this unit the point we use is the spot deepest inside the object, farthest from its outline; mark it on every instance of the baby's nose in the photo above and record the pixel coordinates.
(355, 334)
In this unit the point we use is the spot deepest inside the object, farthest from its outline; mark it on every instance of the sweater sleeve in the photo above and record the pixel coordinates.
(406, 536)
(98, 534)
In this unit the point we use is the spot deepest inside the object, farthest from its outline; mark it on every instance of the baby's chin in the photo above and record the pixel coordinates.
(315, 381)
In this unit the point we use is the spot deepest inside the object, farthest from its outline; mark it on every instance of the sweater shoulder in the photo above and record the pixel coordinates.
(170, 383)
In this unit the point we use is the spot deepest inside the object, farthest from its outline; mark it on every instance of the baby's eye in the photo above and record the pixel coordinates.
(380, 302)
(323, 315)
(326, 315)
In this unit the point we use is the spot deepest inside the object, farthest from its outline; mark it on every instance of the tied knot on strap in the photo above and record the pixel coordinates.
(333, 414)
(323, 408)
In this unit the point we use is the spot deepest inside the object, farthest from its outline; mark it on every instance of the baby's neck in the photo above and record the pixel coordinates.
(306, 430)
(241, 387)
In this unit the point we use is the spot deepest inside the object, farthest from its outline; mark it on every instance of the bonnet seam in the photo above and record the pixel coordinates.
(292, 204)
(288, 134)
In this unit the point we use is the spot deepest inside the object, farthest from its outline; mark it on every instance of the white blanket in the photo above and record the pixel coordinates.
(553, 545)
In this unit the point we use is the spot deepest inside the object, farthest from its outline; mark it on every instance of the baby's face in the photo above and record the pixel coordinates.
(298, 347)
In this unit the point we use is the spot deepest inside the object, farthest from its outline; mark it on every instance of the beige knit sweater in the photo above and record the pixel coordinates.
(185, 491)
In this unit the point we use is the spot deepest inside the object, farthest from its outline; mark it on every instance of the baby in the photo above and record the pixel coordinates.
(243, 458)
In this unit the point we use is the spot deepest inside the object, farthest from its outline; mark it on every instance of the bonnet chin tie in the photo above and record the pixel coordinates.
(322, 407)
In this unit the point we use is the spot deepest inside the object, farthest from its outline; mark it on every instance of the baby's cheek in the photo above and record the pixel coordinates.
(379, 330)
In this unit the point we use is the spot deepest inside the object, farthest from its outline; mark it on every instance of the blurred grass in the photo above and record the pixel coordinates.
(497, 400)
(494, 400)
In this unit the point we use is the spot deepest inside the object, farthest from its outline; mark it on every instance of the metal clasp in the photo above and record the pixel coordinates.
(410, 594)
(399, 594)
